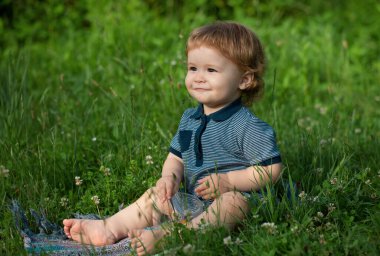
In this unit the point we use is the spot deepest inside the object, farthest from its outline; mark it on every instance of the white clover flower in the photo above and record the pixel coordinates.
(95, 199)
(270, 227)
(320, 214)
(319, 170)
(149, 160)
(238, 241)
(78, 181)
(315, 199)
(4, 171)
(322, 239)
(331, 207)
(64, 201)
(333, 181)
(227, 240)
(93, 139)
(368, 182)
(302, 195)
(294, 229)
(358, 130)
(188, 249)
(105, 170)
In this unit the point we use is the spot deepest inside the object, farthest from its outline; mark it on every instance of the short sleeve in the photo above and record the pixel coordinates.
(175, 146)
(259, 143)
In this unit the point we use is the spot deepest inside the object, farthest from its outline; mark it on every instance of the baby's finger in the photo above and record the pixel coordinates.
(200, 188)
(203, 179)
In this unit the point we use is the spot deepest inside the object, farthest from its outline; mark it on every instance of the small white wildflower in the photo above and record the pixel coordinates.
(333, 181)
(315, 199)
(301, 122)
(132, 86)
(270, 227)
(331, 207)
(322, 239)
(302, 195)
(319, 170)
(188, 249)
(227, 240)
(78, 181)
(256, 216)
(373, 195)
(149, 160)
(4, 171)
(47, 199)
(93, 139)
(238, 241)
(322, 109)
(95, 199)
(368, 182)
(105, 170)
(345, 44)
(322, 142)
(358, 130)
(64, 201)
(294, 229)
(320, 214)
(173, 62)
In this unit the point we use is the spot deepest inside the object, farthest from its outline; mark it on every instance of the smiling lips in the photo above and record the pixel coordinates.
(200, 89)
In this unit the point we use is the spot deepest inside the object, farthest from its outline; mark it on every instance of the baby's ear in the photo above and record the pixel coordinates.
(246, 80)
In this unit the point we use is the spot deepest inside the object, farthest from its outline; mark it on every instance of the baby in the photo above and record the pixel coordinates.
(221, 151)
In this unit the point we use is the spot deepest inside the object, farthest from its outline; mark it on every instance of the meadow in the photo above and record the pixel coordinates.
(91, 94)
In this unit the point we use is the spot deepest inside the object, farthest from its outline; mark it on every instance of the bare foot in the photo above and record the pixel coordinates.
(88, 231)
(143, 241)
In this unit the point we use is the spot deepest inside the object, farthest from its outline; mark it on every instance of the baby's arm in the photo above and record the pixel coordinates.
(250, 179)
(172, 174)
(253, 178)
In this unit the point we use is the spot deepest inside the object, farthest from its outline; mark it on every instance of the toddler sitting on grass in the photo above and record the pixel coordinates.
(221, 151)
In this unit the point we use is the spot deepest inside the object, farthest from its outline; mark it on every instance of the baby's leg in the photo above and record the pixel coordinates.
(143, 241)
(146, 211)
(227, 210)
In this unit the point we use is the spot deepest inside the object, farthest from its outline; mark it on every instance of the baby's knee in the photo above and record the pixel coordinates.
(234, 199)
(163, 207)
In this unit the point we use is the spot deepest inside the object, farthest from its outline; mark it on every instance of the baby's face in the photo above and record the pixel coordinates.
(212, 79)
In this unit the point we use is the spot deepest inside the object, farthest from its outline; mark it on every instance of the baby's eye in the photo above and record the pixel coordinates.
(211, 70)
(192, 68)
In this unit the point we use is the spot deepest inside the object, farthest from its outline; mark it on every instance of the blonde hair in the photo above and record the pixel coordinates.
(240, 45)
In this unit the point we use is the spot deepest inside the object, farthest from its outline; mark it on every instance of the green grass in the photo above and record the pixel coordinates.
(106, 88)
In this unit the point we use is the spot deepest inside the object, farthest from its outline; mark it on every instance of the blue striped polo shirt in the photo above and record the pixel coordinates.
(227, 140)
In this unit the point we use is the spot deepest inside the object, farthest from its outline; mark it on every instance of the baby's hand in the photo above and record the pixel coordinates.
(166, 187)
(212, 186)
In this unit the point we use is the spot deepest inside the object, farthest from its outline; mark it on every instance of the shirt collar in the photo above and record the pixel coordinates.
(220, 115)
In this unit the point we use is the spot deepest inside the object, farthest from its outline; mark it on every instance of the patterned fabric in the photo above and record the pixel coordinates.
(229, 139)
(52, 240)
